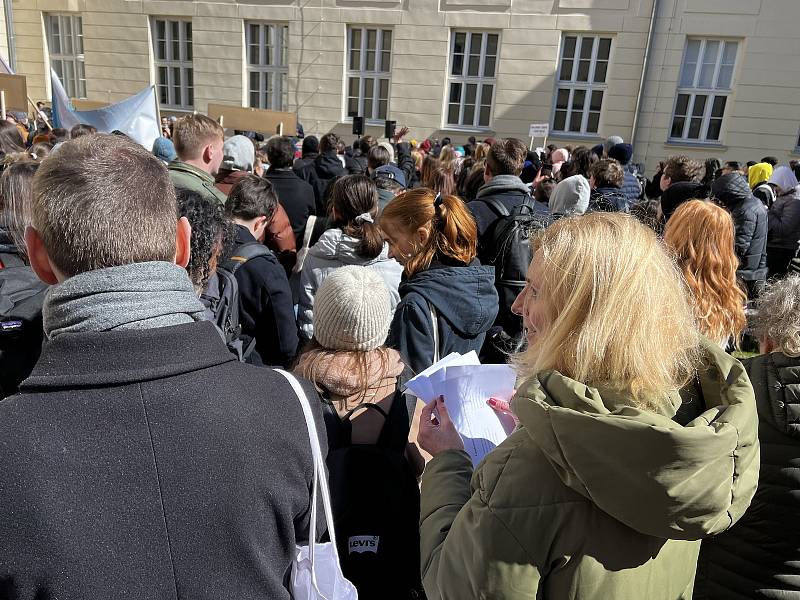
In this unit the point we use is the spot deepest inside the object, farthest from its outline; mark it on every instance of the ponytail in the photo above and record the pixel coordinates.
(451, 227)
(355, 199)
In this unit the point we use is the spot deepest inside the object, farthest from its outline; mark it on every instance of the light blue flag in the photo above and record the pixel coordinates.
(136, 117)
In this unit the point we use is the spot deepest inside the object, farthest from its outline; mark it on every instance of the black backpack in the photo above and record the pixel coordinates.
(509, 251)
(376, 506)
(21, 333)
(221, 299)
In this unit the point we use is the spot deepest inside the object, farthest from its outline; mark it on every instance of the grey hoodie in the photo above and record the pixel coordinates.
(571, 196)
(333, 250)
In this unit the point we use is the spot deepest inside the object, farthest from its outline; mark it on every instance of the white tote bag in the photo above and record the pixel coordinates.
(316, 573)
(303, 251)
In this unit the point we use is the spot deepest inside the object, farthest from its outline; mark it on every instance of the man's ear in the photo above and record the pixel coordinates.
(208, 153)
(37, 254)
(183, 242)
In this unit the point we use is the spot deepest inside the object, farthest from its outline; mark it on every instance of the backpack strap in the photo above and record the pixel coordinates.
(498, 206)
(244, 253)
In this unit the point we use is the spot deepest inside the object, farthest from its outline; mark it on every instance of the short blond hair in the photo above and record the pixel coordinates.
(617, 313)
(192, 133)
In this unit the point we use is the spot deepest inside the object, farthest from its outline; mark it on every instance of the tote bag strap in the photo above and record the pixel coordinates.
(309, 230)
(435, 329)
(320, 481)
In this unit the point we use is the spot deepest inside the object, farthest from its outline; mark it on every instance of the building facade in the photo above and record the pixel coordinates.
(697, 77)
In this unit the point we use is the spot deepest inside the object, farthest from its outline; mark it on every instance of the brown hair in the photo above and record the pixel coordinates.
(16, 186)
(607, 172)
(452, 232)
(192, 133)
(506, 157)
(377, 157)
(104, 201)
(701, 234)
(353, 196)
(328, 143)
(682, 168)
(440, 179)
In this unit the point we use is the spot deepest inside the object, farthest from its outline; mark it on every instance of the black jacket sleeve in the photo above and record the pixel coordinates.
(411, 333)
(266, 305)
(405, 162)
(745, 229)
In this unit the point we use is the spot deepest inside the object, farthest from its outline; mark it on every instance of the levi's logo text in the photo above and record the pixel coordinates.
(363, 543)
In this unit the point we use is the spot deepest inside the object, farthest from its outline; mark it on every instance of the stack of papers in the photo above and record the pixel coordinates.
(466, 385)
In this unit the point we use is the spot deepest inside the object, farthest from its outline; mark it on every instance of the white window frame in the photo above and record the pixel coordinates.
(711, 93)
(183, 64)
(367, 77)
(71, 24)
(464, 79)
(272, 68)
(588, 87)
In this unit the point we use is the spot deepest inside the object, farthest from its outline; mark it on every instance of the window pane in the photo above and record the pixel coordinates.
(600, 72)
(569, 46)
(583, 70)
(387, 40)
(372, 39)
(596, 100)
(483, 119)
(682, 106)
(604, 50)
(491, 44)
(566, 70)
(455, 92)
(352, 87)
(254, 100)
(472, 91)
(369, 84)
(690, 63)
(486, 95)
(709, 65)
(694, 129)
(699, 107)
(161, 29)
(587, 45)
(175, 34)
(79, 35)
(176, 84)
(370, 66)
(384, 89)
(725, 77)
(352, 107)
(187, 28)
(562, 99)
(560, 121)
(469, 114)
(488, 66)
(576, 115)
(458, 64)
(385, 65)
(355, 60)
(718, 108)
(66, 39)
(594, 122)
(677, 127)
(714, 128)
(452, 114)
(355, 39)
(459, 46)
(161, 50)
(383, 106)
(473, 66)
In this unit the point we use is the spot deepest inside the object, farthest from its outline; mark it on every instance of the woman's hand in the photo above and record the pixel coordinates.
(507, 418)
(436, 431)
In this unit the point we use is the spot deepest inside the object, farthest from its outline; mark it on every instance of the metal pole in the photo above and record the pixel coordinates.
(12, 40)
(643, 78)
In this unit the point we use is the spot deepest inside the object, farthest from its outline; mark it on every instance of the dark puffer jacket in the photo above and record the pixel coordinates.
(465, 302)
(760, 556)
(750, 219)
(608, 199)
(784, 220)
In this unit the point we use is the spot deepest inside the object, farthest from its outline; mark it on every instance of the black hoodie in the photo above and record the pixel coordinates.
(465, 301)
(750, 219)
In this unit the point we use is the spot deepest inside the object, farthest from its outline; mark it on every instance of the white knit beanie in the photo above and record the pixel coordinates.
(352, 310)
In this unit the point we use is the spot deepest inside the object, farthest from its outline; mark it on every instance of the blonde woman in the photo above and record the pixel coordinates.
(701, 235)
(599, 493)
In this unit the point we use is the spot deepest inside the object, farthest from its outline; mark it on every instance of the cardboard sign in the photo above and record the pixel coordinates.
(539, 130)
(16, 92)
(253, 119)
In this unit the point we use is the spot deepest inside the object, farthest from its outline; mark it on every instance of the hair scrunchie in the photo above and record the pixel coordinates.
(364, 218)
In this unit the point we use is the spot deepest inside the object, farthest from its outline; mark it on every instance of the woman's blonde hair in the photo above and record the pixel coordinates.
(701, 235)
(616, 312)
(448, 155)
(452, 232)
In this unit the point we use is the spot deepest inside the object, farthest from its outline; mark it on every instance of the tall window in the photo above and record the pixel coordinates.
(267, 65)
(473, 69)
(581, 84)
(369, 55)
(172, 47)
(703, 90)
(65, 44)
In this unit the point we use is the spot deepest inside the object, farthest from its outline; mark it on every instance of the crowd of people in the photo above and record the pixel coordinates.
(149, 447)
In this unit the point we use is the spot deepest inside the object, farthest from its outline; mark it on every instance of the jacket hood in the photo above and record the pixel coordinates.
(784, 178)
(503, 183)
(731, 189)
(646, 470)
(328, 165)
(335, 244)
(570, 196)
(464, 296)
(759, 173)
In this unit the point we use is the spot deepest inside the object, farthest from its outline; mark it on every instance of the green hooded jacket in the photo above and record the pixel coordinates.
(188, 177)
(590, 498)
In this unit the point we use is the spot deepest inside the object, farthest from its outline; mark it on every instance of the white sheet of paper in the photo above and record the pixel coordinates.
(427, 385)
(466, 390)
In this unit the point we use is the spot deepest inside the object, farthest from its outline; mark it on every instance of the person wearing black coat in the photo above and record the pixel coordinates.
(141, 459)
(266, 309)
(356, 164)
(323, 170)
(750, 220)
(759, 557)
(294, 195)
